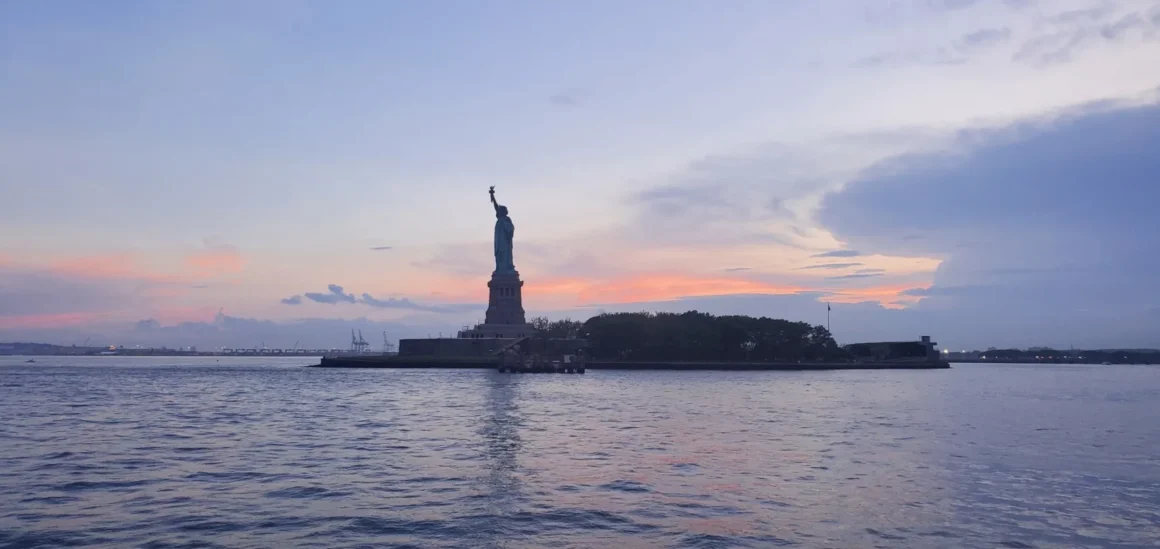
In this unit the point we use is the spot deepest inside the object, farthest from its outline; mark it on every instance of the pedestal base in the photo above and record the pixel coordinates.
(499, 331)
(505, 303)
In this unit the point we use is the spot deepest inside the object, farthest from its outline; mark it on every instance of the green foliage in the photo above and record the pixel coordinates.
(560, 329)
(696, 336)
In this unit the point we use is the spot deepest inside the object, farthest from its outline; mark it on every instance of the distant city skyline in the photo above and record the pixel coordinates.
(217, 174)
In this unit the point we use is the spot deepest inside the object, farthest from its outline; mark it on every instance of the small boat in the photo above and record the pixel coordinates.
(29, 360)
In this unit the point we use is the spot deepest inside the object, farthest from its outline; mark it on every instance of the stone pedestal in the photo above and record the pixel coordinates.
(505, 302)
(505, 310)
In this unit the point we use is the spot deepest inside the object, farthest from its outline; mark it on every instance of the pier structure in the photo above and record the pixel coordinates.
(540, 355)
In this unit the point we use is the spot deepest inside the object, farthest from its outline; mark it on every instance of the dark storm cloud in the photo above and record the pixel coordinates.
(333, 296)
(1048, 230)
(1084, 165)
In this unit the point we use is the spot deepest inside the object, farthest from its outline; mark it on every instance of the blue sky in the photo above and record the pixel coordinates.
(925, 165)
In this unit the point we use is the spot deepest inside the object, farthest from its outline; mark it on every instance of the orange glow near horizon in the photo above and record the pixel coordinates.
(662, 287)
(669, 287)
(161, 288)
(890, 297)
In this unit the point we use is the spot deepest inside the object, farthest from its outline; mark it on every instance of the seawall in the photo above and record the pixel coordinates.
(478, 363)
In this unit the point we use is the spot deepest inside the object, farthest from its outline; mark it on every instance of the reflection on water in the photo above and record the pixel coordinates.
(500, 430)
(173, 452)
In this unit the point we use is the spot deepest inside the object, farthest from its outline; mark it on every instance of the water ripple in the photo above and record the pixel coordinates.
(244, 453)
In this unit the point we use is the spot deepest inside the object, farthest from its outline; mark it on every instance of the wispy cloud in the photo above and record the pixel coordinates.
(404, 303)
(1019, 4)
(983, 38)
(831, 266)
(838, 253)
(853, 276)
(333, 296)
(737, 269)
(336, 295)
(1070, 31)
(1083, 15)
(568, 98)
(381, 248)
(950, 5)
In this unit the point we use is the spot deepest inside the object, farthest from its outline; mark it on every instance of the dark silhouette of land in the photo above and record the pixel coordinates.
(697, 337)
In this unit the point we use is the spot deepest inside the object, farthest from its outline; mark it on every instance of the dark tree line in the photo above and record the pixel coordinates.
(561, 329)
(696, 336)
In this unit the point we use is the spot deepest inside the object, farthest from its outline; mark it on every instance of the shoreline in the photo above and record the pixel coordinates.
(475, 363)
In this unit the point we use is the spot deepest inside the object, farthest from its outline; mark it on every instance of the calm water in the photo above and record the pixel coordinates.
(177, 452)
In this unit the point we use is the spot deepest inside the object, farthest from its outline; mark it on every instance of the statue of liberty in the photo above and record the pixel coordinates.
(504, 231)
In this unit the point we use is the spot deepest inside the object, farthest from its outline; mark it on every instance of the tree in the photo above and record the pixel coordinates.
(559, 329)
(696, 336)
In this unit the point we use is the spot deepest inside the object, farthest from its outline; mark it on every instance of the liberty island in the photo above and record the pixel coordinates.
(599, 343)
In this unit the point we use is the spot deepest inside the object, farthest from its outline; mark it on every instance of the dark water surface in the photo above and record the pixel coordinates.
(177, 452)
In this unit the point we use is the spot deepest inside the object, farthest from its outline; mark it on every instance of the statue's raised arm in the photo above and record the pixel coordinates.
(504, 232)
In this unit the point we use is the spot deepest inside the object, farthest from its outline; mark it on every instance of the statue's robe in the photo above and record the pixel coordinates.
(504, 231)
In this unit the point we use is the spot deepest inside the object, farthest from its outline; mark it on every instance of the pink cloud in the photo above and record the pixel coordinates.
(125, 266)
(215, 261)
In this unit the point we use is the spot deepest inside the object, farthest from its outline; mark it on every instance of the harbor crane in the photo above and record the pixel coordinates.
(358, 345)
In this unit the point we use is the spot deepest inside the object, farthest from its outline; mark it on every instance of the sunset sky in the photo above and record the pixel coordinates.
(233, 173)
